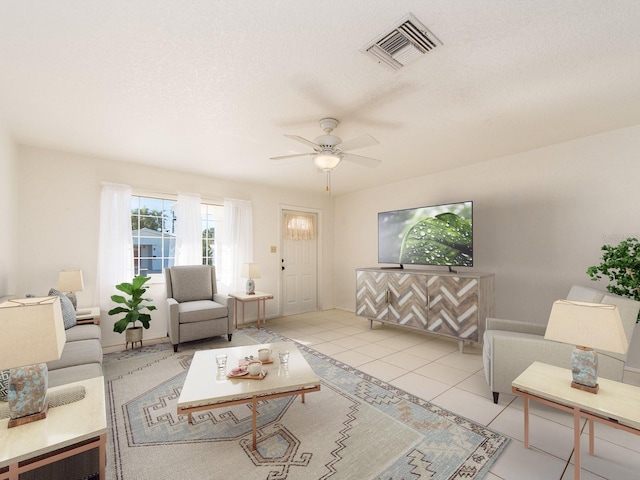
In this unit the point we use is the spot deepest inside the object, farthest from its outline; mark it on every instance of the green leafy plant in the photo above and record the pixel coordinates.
(444, 239)
(621, 265)
(133, 305)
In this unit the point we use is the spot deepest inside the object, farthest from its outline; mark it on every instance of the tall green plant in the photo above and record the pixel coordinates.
(621, 265)
(133, 305)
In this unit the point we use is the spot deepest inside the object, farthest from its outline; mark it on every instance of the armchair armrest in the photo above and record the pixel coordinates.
(173, 326)
(230, 303)
(515, 326)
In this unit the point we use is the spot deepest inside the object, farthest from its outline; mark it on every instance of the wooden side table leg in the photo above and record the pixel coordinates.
(103, 456)
(576, 444)
(255, 421)
(526, 422)
(13, 471)
(591, 437)
(258, 314)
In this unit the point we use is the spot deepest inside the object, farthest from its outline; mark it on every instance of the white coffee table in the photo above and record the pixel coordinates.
(205, 387)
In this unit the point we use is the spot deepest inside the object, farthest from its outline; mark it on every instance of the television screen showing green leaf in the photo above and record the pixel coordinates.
(435, 235)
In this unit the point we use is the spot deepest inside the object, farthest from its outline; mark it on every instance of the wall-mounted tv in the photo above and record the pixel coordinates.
(435, 235)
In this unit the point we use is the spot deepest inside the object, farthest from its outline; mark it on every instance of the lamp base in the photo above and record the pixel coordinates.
(74, 300)
(34, 417)
(27, 395)
(584, 366)
(585, 388)
(251, 287)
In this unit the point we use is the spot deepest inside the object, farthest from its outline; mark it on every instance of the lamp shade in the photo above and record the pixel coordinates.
(70, 281)
(32, 331)
(250, 270)
(591, 325)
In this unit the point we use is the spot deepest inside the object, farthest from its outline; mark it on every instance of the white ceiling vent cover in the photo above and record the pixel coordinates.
(403, 44)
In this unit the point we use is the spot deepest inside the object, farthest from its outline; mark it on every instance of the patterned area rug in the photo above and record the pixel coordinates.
(356, 427)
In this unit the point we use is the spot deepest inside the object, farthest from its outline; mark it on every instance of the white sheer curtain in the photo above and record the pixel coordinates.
(299, 227)
(188, 230)
(236, 246)
(115, 245)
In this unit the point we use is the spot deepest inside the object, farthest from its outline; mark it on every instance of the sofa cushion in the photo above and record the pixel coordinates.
(192, 282)
(201, 310)
(68, 310)
(62, 376)
(78, 353)
(84, 332)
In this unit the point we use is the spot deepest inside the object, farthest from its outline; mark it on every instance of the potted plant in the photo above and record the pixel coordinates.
(132, 307)
(621, 264)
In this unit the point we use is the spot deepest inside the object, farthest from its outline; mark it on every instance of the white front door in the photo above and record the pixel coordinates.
(299, 272)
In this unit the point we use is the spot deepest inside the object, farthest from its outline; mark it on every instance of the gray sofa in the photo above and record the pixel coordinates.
(511, 346)
(81, 357)
(82, 353)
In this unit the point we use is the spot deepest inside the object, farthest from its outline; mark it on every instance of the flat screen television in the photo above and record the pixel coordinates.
(436, 235)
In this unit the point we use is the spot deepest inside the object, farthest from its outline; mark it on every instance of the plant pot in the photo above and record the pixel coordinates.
(133, 336)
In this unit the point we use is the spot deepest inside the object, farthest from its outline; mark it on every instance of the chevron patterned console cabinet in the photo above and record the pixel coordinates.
(452, 304)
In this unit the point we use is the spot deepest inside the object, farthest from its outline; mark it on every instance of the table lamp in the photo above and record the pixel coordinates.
(70, 282)
(32, 333)
(250, 271)
(587, 326)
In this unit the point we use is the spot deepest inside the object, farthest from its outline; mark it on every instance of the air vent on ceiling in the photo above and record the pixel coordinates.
(404, 43)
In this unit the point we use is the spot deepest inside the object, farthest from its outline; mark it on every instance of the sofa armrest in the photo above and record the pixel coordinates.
(515, 326)
(173, 324)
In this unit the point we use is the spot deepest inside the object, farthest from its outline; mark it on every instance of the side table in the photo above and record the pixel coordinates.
(260, 297)
(68, 430)
(616, 404)
(88, 315)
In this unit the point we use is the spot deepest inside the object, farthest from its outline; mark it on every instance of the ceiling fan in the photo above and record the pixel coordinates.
(329, 150)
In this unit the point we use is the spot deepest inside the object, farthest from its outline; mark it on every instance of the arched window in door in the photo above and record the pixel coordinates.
(299, 227)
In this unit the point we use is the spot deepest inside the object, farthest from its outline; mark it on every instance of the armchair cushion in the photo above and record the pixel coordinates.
(200, 310)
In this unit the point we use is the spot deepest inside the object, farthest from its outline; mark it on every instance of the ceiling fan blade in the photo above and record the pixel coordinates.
(360, 160)
(358, 142)
(303, 140)
(298, 155)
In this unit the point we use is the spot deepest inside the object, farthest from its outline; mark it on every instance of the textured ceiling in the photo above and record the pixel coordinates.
(211, 86)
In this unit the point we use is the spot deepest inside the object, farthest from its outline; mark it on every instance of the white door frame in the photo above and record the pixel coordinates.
(319, 274)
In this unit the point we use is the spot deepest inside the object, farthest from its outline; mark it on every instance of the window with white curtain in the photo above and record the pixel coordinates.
(154, 223)
(299, 226)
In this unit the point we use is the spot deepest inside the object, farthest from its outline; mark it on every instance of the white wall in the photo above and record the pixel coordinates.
(58, 207)
(8, 262)
(540, 218)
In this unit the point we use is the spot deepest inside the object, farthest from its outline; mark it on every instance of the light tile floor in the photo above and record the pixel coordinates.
(432, 368)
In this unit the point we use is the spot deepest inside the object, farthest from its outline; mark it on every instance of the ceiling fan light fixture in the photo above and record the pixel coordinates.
(326, 161)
